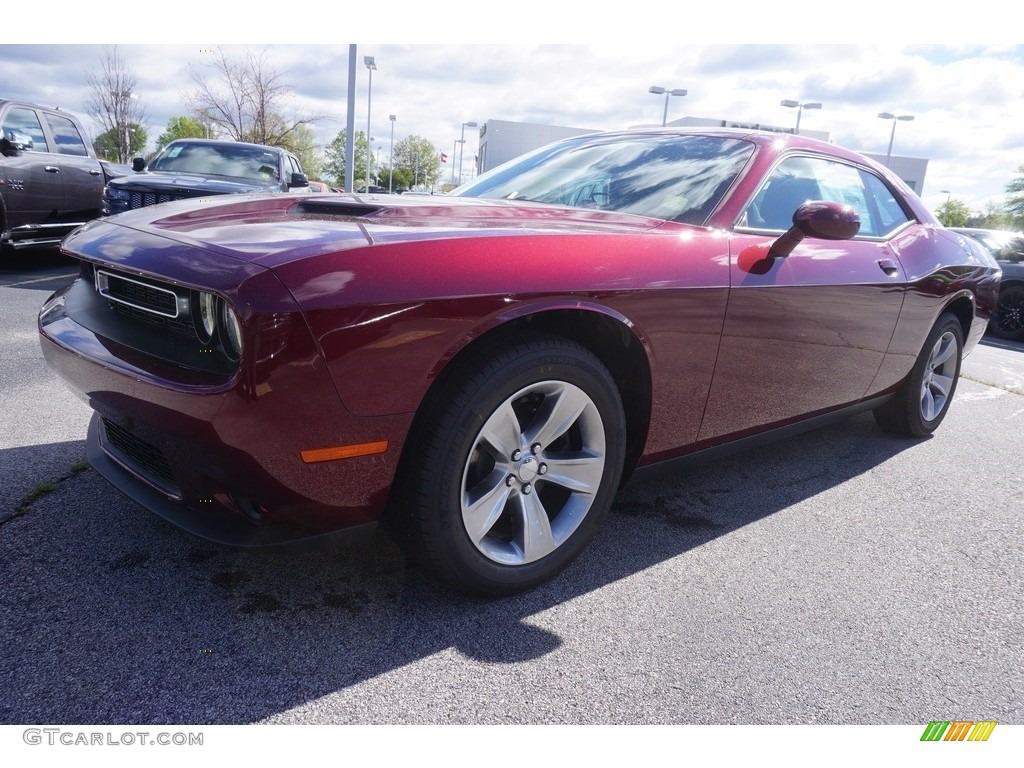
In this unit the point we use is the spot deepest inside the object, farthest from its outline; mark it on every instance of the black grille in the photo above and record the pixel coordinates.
(142, 199)
(141, 457)
(177, 324)
(141, 295)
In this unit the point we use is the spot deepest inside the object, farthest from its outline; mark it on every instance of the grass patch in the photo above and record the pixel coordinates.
(44, 488)
(40, 490)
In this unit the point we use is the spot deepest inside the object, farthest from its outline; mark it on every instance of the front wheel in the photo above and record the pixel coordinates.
(515, 465)
(921, 403)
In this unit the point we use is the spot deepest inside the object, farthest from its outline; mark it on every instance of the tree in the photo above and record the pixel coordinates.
(420, 158)
(181, 128)
(953, 213)
(245, 98)
(109, 143)
(114, 106)
(1015, 203)
(334, 159)
(993, 217)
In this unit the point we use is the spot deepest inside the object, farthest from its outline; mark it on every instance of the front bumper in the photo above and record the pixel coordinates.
(221, 456)
(218, 522)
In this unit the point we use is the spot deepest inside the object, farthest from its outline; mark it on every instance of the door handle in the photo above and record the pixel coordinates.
(888, 266)
(51, 169)
(94, 172)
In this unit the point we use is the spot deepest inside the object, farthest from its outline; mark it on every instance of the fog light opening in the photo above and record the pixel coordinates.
(246, 506)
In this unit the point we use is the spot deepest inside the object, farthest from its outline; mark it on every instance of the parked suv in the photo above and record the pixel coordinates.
(50, 179)
(203, 167)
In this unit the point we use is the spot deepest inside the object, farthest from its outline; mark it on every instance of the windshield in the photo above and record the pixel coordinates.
(235, 161)
(676, 177)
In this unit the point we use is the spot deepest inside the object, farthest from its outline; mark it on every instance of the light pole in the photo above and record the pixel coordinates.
(371, 64)
(462, 145)
(894, 118)
(800, 109)
(455, 148)
(947, 193)
(391, 155)
(124, 106)
(657, 89)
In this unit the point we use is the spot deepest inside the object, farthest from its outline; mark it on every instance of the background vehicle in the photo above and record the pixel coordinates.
(203, 167)
(482, 369)
(1002, 244)
(50, 179)
(1007, 321)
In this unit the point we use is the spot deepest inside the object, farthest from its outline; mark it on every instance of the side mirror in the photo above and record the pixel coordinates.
(138, 164)
(820, 219)
(13, 144)
(299, 180)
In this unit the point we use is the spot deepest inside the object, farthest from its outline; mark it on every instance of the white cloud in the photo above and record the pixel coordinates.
(969, 114)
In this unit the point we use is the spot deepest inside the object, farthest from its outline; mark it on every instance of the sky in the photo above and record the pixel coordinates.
(593, 71)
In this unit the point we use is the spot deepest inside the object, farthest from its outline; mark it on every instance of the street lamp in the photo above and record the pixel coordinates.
(371, 64)
(800, 109)
(657, 89)
(894, 118)
(455, 148)
(391, 156)
(462, 145)
(122, 114)
(947, 193)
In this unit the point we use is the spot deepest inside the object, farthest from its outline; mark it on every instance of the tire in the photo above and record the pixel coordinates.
(1008, 320)
(514, 466)
(922, 401)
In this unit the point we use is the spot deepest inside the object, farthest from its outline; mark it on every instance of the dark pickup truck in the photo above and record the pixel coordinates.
(203, 167)
(50, 178)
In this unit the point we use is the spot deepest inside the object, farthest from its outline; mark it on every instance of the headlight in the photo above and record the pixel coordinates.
(231, 331)
(113, 193)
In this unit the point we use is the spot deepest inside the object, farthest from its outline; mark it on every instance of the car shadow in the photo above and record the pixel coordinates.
(991, 341)
(113, 616)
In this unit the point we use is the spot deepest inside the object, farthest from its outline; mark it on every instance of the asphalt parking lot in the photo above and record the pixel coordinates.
(845, 576)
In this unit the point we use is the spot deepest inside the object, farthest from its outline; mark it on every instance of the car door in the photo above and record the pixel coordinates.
(33, 186)
(807, 332)
(80, 173)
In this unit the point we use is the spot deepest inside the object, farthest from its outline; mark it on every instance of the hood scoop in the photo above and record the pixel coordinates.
(327, 207)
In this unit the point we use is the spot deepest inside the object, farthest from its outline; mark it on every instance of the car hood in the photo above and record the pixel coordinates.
(272, 230)
(190, 183)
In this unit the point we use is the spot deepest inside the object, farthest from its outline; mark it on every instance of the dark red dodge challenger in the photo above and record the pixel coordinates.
(483, 370)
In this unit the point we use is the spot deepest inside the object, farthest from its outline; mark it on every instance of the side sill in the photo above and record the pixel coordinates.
(755, 441)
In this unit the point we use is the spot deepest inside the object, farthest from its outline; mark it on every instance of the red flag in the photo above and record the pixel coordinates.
(444, 158)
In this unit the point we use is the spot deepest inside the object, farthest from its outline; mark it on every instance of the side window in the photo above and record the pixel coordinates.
(796, 180)
(842, 183)
(69, 140)
(890, 213)
(21, 126)
(294, 165)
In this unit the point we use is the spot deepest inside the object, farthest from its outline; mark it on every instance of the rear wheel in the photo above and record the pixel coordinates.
(1008, 320)
(516, 466)
(921, 403)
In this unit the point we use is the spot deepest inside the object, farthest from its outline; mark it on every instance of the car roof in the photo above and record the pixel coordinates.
(30, 104)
